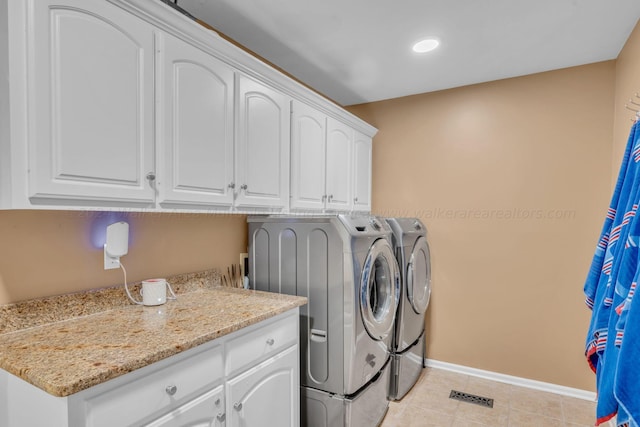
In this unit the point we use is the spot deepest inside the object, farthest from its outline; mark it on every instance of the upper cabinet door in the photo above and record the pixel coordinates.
(195, 126)
(90, 72)
(307, 157)
(362, 149)
(339, 165)
(262, 146)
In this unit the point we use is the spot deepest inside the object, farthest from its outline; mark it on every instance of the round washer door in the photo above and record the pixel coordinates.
(419, 276)
(379, 290)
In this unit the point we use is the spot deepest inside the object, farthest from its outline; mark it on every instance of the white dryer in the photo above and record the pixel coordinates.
(346, 267)
(414, 259)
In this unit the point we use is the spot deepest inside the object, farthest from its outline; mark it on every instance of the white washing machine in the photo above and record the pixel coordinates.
(408, 348)
(346, 267)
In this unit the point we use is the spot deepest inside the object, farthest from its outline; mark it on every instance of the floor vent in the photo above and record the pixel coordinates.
(471, 398)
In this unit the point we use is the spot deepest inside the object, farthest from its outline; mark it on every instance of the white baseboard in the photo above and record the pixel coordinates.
(510, 379)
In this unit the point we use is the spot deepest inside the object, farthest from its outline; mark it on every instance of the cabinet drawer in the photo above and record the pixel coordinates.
(156, 392)
(207, 409)
(261, 343)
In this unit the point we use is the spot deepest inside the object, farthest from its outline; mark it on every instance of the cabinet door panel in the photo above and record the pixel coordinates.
(91, 103)
(268, 391)
(362, 172)
(339, 165)
(196, 101)
(307, 157)
(262, 167)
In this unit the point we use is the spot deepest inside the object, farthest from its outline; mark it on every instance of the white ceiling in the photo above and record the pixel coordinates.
(357, 51)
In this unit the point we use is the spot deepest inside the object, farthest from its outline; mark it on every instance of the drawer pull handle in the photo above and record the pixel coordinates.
(271, 341)
(221, 417)
(171, 390)
(237, 406)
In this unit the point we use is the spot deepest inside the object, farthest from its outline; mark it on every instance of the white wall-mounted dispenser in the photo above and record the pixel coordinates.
(117, 244)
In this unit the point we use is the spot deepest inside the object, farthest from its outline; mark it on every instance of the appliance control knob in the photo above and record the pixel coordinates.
(375, 224)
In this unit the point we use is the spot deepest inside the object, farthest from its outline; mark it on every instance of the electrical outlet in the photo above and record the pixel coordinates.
(243, 258)
(111, 262)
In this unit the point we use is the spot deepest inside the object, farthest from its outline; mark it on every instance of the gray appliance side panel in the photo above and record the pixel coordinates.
(314, 275)
(259, 251)
(284, 260)
(304, 258)
(320, 270)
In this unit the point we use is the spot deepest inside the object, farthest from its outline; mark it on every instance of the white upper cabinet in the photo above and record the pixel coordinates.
(308, 157)
(127, 104)
(90, 104)
(262, 146)
(339, 165)
(330, 163)
(195, 133)
(362, 150)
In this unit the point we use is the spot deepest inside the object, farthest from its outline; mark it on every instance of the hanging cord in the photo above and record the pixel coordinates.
(173, 295)
(126, 288)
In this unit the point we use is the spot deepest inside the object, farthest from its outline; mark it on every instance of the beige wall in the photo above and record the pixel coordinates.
(45, 253)
(512, 180)
(627, 85)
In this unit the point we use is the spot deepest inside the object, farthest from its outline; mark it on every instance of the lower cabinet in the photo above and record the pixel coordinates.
(240, 379)
(266, 392)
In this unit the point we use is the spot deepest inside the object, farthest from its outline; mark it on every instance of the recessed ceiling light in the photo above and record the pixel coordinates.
(426, 45)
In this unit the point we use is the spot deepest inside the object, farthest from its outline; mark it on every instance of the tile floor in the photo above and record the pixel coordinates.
(428, 405)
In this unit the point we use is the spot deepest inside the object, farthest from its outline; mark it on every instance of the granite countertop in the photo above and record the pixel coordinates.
(65, 357)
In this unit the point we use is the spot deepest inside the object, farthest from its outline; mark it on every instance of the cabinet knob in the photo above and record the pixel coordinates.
(232, 185)
(324, 197)
(151, 176)
(171, 390)
(217, 402)
(330, 197)
(355, 200)
(221, 417)
(243, 187)
(237, 406)
(271, 341)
